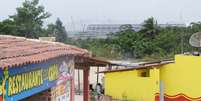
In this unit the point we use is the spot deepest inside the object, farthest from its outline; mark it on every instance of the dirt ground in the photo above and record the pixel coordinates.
(78, 97)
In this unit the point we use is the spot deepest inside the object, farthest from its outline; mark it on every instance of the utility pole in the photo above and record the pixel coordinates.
(182, 43)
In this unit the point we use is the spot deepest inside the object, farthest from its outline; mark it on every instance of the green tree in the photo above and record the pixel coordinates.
(150, 27)
(51, 30)
(168, 41)
(57, 30)
(8, 27)
(129, 42)
(60, 32)
(29, 19)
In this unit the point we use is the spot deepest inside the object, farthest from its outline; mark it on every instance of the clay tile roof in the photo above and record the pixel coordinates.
(15, 51)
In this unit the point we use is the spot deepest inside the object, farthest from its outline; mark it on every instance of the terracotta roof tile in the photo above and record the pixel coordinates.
(15, 51)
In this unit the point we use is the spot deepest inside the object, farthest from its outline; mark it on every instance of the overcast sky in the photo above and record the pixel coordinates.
(75, 13)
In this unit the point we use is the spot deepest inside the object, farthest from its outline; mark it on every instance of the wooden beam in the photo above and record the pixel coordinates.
(86, 84)
(78, 81)
(97, 75)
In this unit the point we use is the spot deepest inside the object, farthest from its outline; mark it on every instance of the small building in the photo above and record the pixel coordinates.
(34, 70)
(158, 81)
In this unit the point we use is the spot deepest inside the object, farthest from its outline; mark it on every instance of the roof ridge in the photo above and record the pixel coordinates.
(43, 41)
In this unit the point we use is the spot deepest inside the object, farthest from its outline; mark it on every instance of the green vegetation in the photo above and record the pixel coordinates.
(148, 43)
(57, 30)
(99, 47)
(151, 42)
(28, 22)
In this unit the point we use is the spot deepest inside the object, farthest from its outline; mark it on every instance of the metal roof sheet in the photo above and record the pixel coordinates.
(140, 66)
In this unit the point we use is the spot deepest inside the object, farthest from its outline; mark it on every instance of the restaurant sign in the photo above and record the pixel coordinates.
(20, 82)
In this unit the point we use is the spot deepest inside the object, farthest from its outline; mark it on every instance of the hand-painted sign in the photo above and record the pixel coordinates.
(2, 85)
(22, 82)
(63, 89)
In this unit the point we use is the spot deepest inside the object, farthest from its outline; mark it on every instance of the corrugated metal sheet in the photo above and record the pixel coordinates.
(140, 66)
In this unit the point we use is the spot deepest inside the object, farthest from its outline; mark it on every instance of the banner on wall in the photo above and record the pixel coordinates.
(62, 90)
(21, 82)
(2, 85)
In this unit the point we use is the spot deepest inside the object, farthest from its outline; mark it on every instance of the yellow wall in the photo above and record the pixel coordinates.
(128, 84)
(183, 76)
(182, 81)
